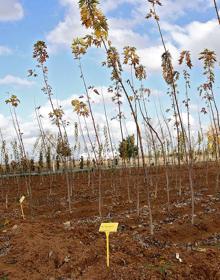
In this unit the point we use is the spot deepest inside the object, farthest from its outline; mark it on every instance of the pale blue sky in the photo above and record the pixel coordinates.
(185, 24)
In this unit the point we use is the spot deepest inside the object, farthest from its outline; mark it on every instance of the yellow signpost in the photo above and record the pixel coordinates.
(21, 204)
(107, 228)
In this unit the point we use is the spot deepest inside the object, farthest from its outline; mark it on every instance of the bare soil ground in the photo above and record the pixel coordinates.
(42, 248)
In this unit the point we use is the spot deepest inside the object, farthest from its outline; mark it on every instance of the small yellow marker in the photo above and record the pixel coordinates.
(21, 204)
(107, 228)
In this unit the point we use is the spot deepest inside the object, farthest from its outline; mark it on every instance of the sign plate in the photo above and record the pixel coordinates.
(108, 227)
(22, 199)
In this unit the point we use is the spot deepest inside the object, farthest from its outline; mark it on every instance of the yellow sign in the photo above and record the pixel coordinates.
(107, 228)
(22, 210)
(22, 199)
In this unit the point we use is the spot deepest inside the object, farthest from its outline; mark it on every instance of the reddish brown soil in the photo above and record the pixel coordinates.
(41, 248)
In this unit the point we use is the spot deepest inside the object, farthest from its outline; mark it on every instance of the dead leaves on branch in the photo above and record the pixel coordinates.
(80, 108)
(63, 147)
(209, 58)
(185, 55)
(32, 73)
(80, 45)
(13, 100)
(57, 114)
(152, 13)
(155, 2)
(167, 67)
(40, 52)
(131, 58)
(113, 61)
(92, 17)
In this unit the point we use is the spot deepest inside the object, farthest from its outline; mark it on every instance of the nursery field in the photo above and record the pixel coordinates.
(52, 243)
(110, 140)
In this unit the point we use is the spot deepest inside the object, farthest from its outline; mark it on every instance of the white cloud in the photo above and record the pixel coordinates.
(111, 5)
(97, 99)
(151, 57)
(121, 37)
(63, 34)
(30, 129)
(15, 81)
(5, 50)
(122, 30)
(172, 9)
(156, 93)
(195, 108)
(11, 10)
(4, 122)
(191, 120)
(197, 36)
(121, 33)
